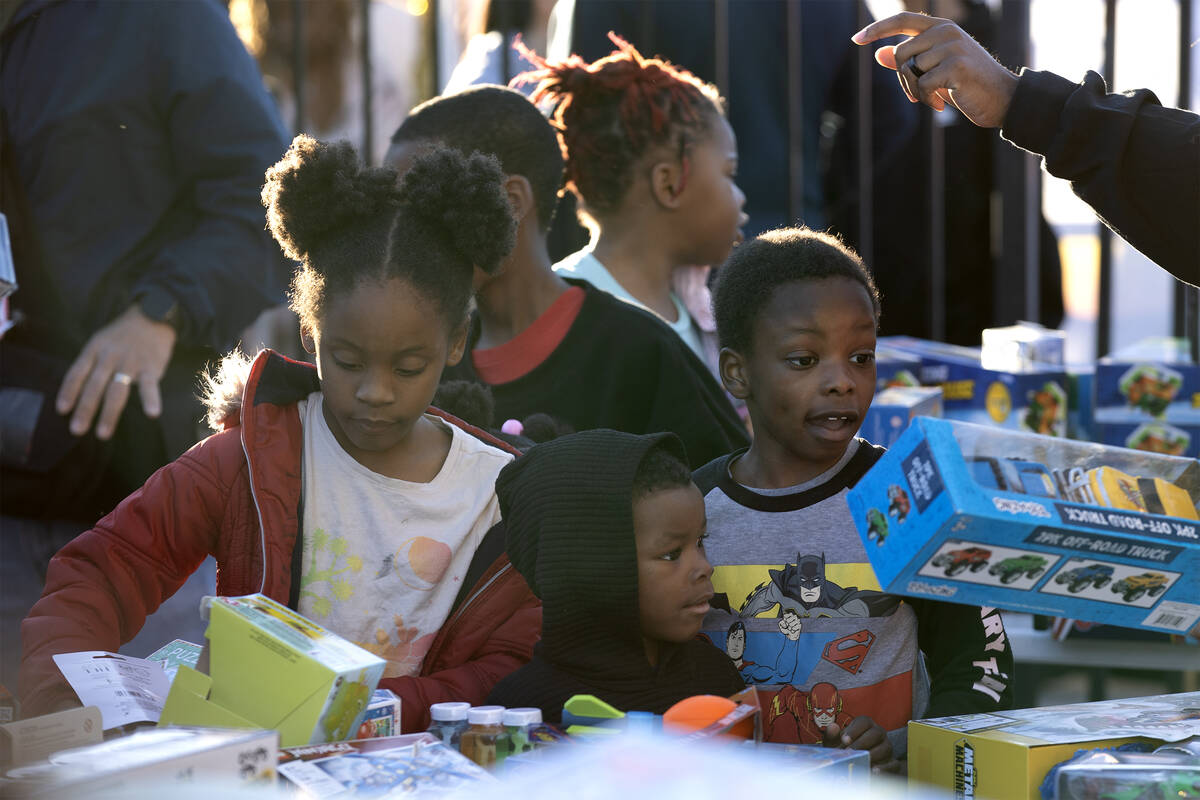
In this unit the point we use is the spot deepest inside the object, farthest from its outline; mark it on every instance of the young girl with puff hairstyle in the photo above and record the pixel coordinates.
(336, 490)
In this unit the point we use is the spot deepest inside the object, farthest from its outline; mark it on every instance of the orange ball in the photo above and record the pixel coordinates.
(693, 713)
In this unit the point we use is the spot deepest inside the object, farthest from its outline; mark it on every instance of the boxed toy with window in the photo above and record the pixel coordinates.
(1162, 773)
(1030, 399)
(974, 514)
(1007, 754)
(893, 409)
(145, 762)
(416, 765)
(1148, 398)
(265, 666)
(895, 368)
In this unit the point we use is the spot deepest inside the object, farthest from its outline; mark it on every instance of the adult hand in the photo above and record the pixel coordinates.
(951, 67)
(131, 348)
(864, 733)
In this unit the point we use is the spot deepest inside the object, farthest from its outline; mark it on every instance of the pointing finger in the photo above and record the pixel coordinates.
(906, 23)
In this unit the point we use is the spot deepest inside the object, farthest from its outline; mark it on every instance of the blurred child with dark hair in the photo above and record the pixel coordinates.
(608, 529)
(550, 343)
(314, 471)
(797, 313)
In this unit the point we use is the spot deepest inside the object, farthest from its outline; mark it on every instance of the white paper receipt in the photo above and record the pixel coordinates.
(125, 689)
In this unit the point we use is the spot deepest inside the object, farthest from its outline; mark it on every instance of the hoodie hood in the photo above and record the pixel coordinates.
(238, 382)
(568, 511)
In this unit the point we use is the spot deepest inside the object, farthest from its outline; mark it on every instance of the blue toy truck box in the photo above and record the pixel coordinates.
(1154, 379)
(895, 368)
(1034, 399)
(1153, 437)
(892, 409)
(973, 514)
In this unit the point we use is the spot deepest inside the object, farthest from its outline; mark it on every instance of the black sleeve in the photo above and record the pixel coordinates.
(968, 656)
(688, 402)
(224, 133)
(1134, 162)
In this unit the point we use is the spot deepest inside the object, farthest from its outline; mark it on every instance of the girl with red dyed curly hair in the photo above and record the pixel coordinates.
(653, 162)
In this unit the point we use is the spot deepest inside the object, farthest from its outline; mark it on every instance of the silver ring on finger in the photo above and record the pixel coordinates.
(122, 378)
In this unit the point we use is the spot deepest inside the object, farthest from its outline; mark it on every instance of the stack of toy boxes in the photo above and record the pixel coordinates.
(894, 408)
(978, 515)
(1148, 397)
(1032, 398)
(1006, 755)
(895, 368)
(265, 666)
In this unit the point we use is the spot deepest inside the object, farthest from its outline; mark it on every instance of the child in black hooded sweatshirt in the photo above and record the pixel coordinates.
(608, 530)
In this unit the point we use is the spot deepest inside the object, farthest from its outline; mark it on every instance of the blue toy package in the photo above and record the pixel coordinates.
(1148, 397)
(974, 514)
(895, 368)
(1031, 399)
(893, 409)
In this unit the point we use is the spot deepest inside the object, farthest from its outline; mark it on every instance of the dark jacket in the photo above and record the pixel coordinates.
(139, 135)
(237, 496)
(1133, 161)
(621, 367)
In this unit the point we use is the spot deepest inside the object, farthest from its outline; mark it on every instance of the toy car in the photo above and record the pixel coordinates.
(955, 561)
(1010, 475)
(1012, 568)
(877, 525)
(1135, 586)
(1098, 575)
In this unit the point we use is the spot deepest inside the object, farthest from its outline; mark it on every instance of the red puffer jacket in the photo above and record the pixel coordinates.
(237, 495)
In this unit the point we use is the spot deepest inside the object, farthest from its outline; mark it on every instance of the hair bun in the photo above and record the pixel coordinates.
(318, 188)
(464, 197)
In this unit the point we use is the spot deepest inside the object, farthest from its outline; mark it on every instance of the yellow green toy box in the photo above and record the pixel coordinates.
(990, 517)
(265, 666)
(1006, 755)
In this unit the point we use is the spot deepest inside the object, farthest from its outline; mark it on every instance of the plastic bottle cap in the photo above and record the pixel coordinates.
(522, 716)
(485, 715)
(449, 712)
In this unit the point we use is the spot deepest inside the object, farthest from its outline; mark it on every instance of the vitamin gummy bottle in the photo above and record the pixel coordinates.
(449, 721)
(484, 733)
(518, 724)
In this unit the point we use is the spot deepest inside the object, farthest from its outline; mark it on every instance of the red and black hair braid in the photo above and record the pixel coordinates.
(611, 112)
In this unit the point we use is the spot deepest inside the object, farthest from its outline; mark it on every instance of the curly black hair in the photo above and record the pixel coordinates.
(757, 268)
(660, 469)
(345, 223)
(500, 122)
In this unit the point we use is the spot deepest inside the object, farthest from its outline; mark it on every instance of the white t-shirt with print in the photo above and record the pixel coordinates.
(384, 558)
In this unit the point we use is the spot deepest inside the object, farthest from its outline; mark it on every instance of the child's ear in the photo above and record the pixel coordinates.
(520, 196)
(307, 340)
(458, 343)
(667, 180)
(732, 368)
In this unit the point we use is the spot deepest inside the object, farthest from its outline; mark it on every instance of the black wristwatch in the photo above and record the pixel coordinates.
(160, 306)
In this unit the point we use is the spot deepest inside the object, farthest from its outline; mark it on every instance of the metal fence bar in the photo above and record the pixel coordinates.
(299, 59)
(865, 63)
(1104, 307)
(1187, 299)
(1017, 264)
(795, 118)
(368, 106)
(721, 46)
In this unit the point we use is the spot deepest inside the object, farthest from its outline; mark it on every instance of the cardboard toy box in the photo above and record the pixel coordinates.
(1147, 397)
(1006, 755)
(973, 514)
(149, 760)
(1032, 399)
(416, 765)
(895, 368)
(265, 666)
(893, 409)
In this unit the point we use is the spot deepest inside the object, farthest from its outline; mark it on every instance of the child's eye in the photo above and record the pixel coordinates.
(701, 540)
(673, 555)
(409, 373)
(802, 361)
(862, 359)
(347, 365)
